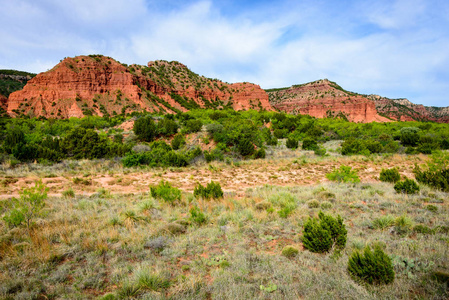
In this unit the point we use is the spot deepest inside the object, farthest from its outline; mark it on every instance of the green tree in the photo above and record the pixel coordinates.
(145, 129)
(84, 143)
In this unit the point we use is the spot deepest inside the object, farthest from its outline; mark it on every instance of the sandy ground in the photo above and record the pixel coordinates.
(234, 179)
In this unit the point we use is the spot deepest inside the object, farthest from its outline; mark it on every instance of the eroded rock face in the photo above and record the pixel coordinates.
(404, 110)
(3, 102)
(99, 85)
(324, 98)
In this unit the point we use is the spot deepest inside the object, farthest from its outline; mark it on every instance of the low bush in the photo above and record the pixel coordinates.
(211, 191)
(158, 157)
(290, 251)
(323, 233)
(287, 209)
(390, 175)
(145, 128)
(28, 207)
(260, 153)
(193, 126)
(197, 216)
(408, 186)
(371, 267)
(178, 141)
(320, 151)
(313, 203)
(246, 147)
(438, 179)
(343, 174)
(403, 225)
(292, 143)
(166, 192)
(309, 144)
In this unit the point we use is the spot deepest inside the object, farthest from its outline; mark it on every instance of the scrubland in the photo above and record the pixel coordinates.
(101, 234)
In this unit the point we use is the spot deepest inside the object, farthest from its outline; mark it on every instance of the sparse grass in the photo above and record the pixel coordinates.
(129, 245)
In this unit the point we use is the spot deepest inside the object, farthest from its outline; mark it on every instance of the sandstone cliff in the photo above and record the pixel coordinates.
(323, 98)
(404, 110)
(99, 85)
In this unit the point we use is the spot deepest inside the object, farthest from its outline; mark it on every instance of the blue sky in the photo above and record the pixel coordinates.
(394, 48)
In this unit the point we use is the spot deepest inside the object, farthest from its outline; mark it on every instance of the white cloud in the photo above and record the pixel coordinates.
(396, 49)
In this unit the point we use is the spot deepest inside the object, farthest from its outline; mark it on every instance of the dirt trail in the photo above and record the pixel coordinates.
(233, 179)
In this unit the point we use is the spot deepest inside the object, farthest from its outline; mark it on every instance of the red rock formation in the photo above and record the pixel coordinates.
(324, 98)
(3, 102)
(404, 110)
(100, 85)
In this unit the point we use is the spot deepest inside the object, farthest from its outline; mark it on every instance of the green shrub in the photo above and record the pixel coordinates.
(166, 192)
(403, 225)
(409, 136)
(197, 216)
(28, 207)
(352, 146)
(290, 251)
(14, 218)
(292, 143)
(260, 153)
(371, 267)
(178, 142)
(408, 186)
(84, 143)
(323, 233)
(441, 276)
(320, 151)
(193, 126)
(438, 179)
(167, 127)
(145, 129)
(309, 144)
(287, 209)
(343, 174)
(313, 203)
(246, 147)
(326, 205)
(211, 191)
(390, 175)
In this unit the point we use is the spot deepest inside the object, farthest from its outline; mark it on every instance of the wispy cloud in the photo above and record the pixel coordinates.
(393, 48)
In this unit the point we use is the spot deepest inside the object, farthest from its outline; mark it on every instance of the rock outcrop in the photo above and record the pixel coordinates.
(404, 110)
(324, 98)
(3, 102)
(99, 85)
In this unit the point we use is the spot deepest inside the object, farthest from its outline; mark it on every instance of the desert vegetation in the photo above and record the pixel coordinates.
(213, 204)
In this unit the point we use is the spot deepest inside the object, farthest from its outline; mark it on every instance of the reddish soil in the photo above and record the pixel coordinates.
(233, 179)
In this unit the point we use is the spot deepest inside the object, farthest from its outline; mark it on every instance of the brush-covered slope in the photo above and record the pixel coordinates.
(324, 98)
(404, 110)
(11, 81)
(99, 85)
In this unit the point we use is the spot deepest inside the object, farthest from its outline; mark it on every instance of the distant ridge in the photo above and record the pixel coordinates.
(324, 98)
(404, 110)
(100, 85)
